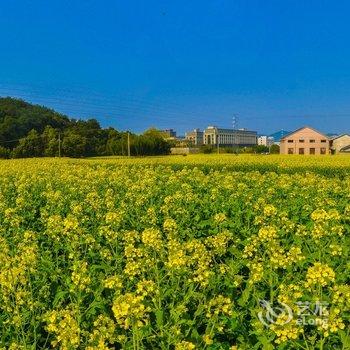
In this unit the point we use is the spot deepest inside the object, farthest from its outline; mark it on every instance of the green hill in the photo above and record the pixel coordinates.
(28, 130)
(18, 117)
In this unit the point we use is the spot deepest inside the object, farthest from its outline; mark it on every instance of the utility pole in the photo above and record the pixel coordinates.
(234, 121)
(234, 126)
(59, 144)
(128, 144)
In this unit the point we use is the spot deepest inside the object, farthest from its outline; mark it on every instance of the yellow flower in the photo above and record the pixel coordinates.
(219, 305)
(152, 238)
(319, 274)
(103, 333)
(220, 218)
(80, 276)
(256, 272)
(130, 311)
(64, 326)
(270, 210)
(267, 233)
(208, 340)
(113, 282)
(185, 345)
(336, 250)
(286, 329)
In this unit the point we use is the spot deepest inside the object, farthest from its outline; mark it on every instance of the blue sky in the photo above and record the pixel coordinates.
(181, 64)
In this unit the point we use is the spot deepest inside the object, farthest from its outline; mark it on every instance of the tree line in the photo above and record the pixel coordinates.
(256, 149)
(28, 130)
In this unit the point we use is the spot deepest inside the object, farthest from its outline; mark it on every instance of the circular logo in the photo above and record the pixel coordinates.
(271, 313)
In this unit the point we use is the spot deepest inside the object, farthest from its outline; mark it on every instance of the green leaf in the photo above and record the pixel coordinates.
(159, 318)
(345, 340)
(58, 297)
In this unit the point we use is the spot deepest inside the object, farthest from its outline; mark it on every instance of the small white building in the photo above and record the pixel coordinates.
(265, 141)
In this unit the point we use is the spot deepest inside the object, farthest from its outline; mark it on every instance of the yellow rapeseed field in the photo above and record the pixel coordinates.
(197, 252)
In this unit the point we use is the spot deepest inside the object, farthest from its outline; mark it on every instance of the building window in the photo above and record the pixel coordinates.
(312, 141)
(323, 141)
(301, 151)
(290, 141)
(290, 151)
(312, 151)
(323, 150)
(301, 141)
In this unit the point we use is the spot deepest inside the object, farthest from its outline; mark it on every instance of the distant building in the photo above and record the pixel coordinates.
(340, 144)
(305, 140)
(278, 135)
(332, 135)
(229, 137)
(265, 141)
(169, 133)
(195, 137)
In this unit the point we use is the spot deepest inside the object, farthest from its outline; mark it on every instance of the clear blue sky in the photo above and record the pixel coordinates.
(181, 64)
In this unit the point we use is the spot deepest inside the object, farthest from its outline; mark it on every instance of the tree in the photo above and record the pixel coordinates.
(4, 153)
(116, 143)
(29, 146)
(261, 149)
(95, 137)
(50, 141)
(275, 149)
(23, 121)
(152, 142)
(73, 144)
(18, 118)
(206, 149)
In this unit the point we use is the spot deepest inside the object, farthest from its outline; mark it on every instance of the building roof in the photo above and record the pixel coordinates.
(268, 137)
(339, 136)
(304, 127)
(279, 134)
(345, 149)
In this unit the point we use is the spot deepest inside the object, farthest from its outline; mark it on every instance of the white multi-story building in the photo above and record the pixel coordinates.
(265, 141)
(229, 137)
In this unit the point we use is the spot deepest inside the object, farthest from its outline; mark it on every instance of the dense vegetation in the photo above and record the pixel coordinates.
(256, 149)
(28, 130)
(164, 253)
